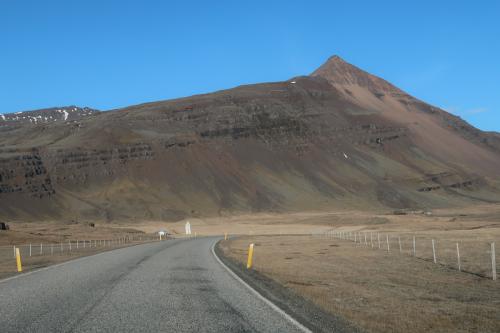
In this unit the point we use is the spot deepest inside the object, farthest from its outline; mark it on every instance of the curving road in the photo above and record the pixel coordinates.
(171, 286)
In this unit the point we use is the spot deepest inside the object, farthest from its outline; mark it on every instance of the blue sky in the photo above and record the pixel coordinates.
(110, 54)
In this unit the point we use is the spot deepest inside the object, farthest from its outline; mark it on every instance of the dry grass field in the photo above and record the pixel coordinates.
(377, 291)
(382, 291)
(53, 235)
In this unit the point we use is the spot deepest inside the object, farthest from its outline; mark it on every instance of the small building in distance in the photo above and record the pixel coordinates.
(4, 226)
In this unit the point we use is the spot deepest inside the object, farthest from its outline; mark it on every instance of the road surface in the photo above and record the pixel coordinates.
(170, 286)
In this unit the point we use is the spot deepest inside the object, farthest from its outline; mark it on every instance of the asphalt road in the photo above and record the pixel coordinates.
(170, 286)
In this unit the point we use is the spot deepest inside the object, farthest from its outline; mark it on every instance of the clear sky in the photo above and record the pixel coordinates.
(108, 54)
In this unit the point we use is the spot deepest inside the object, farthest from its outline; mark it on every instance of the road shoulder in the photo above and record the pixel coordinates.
(302, 310)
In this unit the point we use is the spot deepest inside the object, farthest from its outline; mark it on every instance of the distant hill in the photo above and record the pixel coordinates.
(338, 138)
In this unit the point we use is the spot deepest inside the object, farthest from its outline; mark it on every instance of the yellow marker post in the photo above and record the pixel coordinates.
(18, 260)
(250, 256)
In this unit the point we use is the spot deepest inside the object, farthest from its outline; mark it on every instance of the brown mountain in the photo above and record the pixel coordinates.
(338, 138)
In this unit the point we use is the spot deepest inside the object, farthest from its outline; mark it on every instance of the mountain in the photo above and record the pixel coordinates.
(338, 138)
(66, 113)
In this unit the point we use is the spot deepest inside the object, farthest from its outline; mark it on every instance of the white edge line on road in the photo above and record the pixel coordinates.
(256, 293)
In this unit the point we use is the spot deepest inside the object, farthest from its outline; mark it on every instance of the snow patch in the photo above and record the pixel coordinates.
(2, 116)
(65, 115)
(345, 156)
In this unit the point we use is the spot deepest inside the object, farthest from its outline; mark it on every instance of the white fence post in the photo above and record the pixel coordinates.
(414, 247)
(30, 249)
(434, 251)
(365, 239)
(14, 251)
(41, 248)
(458, 259)
(400, 248)
(493, 262)
(371, 238)
(378, 238)
(387, 238)
(69, 244)
(51, 249)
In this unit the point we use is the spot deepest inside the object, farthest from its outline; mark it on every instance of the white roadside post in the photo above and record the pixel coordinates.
(387, 239)
(434, 251)
(378, 238)
(188, 228)
(41, 248)
(493, 262)
(458, 259)
(400, 248)
(414, 247)
(14, 251)
(30, 249)
(51, 249)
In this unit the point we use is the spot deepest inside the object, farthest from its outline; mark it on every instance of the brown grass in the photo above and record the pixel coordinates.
(22, 234)
(389, 292)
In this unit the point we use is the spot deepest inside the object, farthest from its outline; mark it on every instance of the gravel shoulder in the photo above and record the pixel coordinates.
(301, 309)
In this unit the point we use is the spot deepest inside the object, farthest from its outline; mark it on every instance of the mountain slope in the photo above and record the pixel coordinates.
(337, 138)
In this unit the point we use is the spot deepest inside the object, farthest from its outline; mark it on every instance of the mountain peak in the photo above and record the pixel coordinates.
(334, 64)
(335, 58)
(337, 71)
